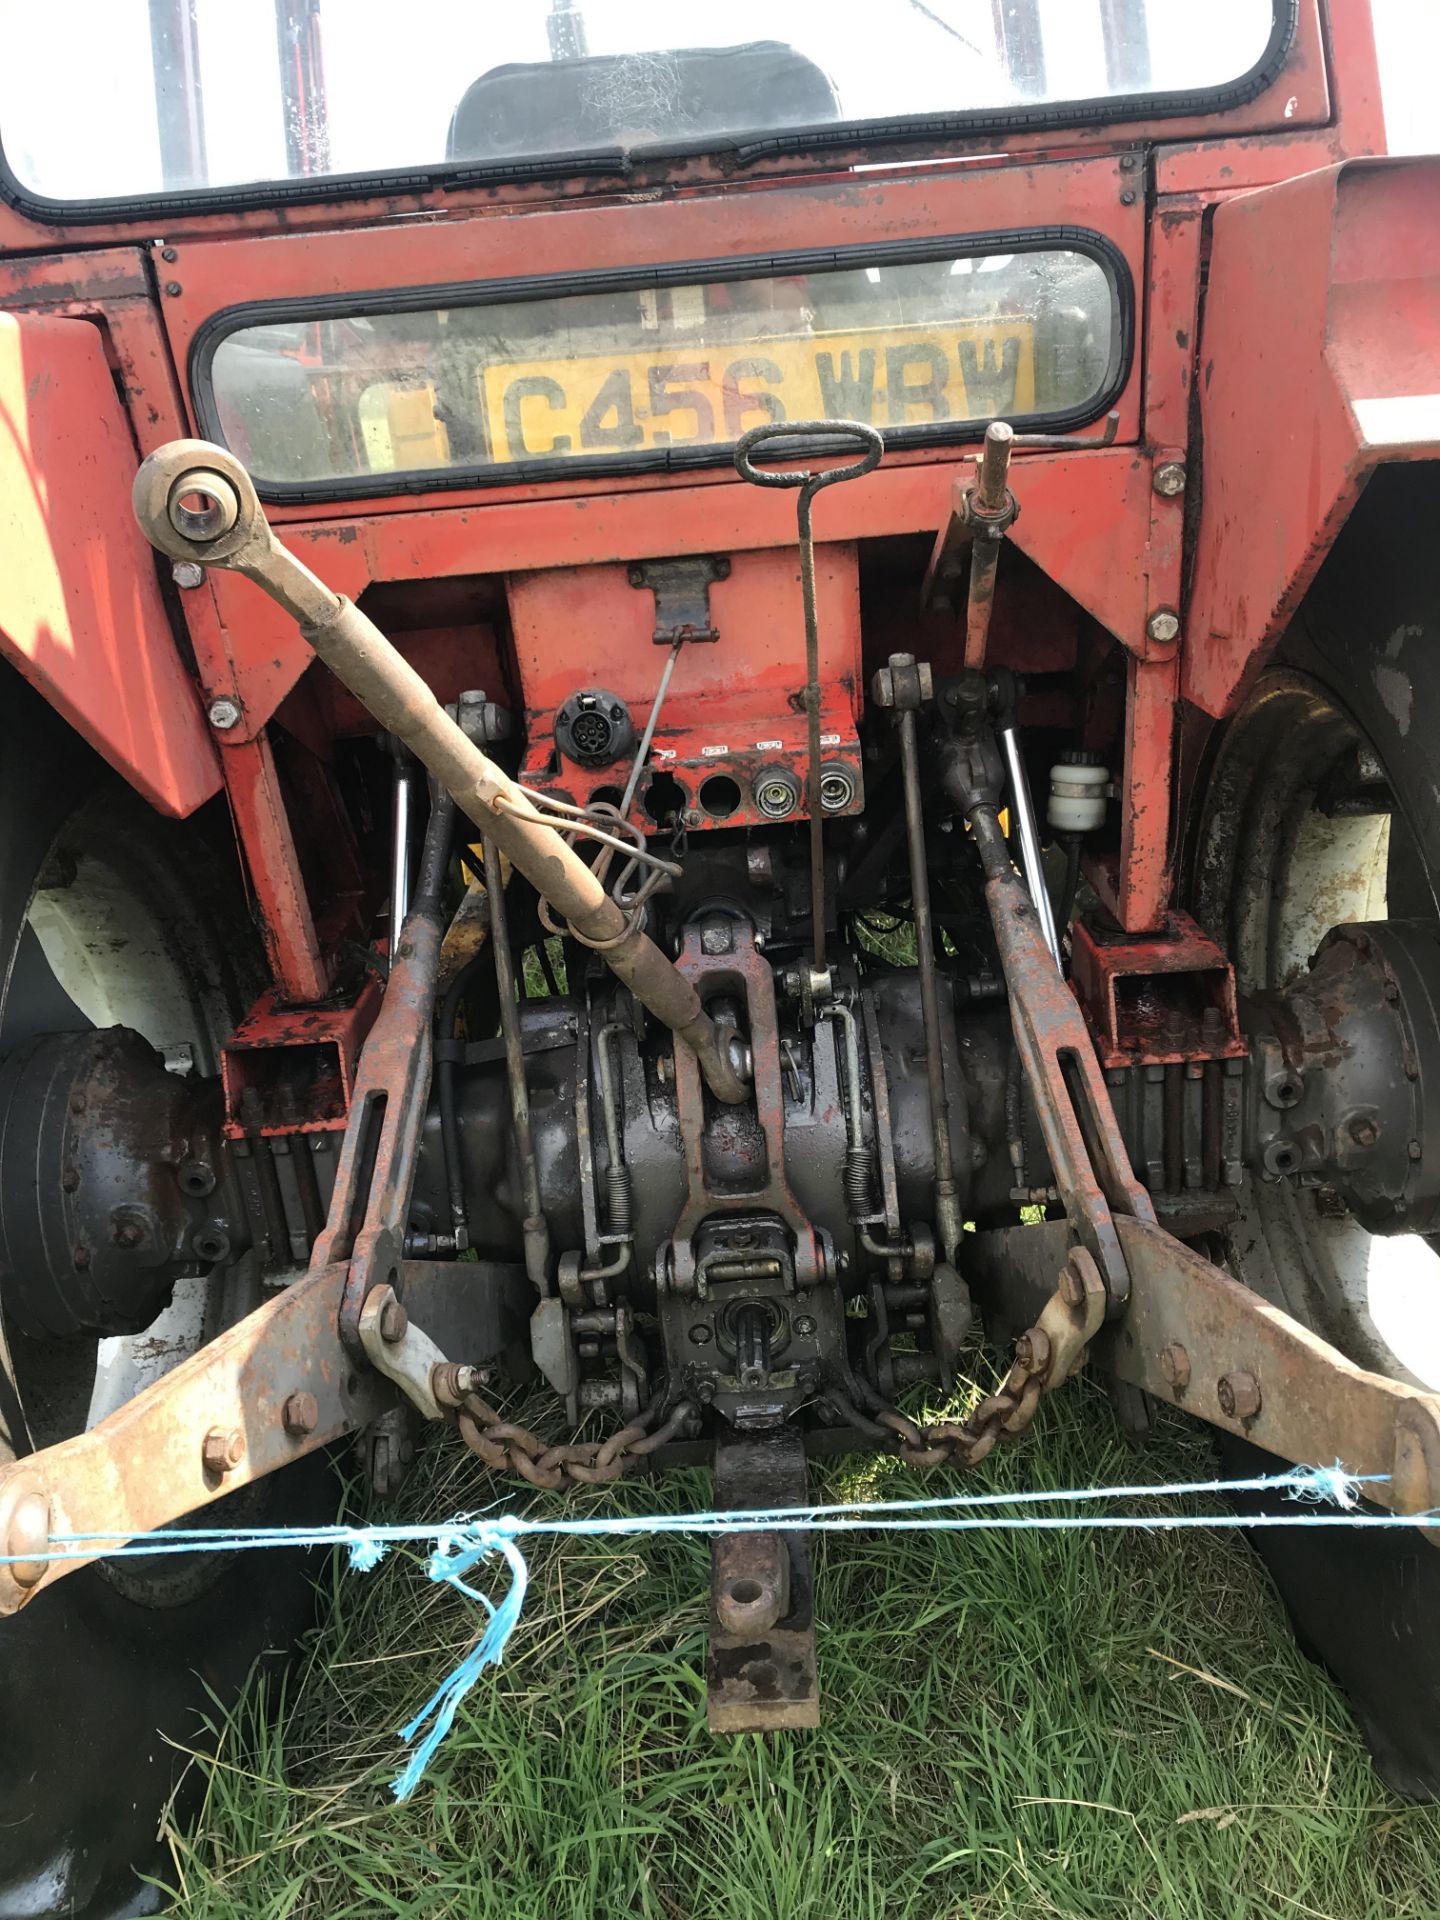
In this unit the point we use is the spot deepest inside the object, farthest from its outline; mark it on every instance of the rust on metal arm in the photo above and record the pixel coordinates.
(196, 502)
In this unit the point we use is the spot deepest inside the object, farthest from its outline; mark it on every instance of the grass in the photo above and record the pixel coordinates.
(1015, 1725)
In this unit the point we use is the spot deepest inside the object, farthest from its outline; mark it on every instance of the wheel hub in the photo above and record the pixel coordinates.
(108, 1174)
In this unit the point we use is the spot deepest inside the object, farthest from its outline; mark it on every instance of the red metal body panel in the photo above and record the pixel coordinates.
(735, 705)
(1342, 376)
(263, 824)
(81, 614)
(1225, 166)
(1098, 196)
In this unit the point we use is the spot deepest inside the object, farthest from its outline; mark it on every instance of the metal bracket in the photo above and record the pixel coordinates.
(1197, 1338)
(682, 595)
(739, 968)
(262, 1393)
(399, 1349)
(373, 1181)
(760, 1671)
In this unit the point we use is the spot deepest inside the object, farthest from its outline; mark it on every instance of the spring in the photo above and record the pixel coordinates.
(620, 1194)
(859, 1182)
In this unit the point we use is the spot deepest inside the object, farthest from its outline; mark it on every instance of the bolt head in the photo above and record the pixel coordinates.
(1175, 1366)
(222, 1450)
(1238, 1394)
(70, 1179)
(1072, 1286)
(1032, 1350)
(394, 1322)
(1169, 479)
(29, 1532)
(804, 1325)
(1163, 627)
(700, 1336)
(187, 574)
(300, 1414)
(224, 714)
(1364, 1131)
(1414, 1150)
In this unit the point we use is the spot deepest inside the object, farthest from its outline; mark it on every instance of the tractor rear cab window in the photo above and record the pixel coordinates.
(104, 102)
(655, 375)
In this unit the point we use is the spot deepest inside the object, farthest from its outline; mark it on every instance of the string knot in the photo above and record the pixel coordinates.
(1335, 1484)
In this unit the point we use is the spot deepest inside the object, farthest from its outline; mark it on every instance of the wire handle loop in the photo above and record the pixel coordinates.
(849, 430)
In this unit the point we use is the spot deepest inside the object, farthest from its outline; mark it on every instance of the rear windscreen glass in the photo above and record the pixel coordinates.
(663, 375)
(107, 100)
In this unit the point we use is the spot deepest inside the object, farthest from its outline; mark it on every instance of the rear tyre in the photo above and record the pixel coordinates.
(1274, 864)
(138, 921)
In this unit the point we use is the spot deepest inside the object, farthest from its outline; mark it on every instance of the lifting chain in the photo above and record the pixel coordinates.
(1045, 1357)
(507, 1447)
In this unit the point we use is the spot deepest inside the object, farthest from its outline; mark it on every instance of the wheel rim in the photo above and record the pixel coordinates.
(117, 934)
(1278, 862)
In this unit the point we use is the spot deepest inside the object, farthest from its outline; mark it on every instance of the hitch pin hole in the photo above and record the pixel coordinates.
(203, 506)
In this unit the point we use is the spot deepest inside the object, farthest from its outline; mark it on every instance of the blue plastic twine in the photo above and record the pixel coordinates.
(1332, 1495)
(456, 1554)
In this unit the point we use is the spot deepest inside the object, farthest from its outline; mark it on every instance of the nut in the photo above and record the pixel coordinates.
(1169, 479)
(394, 1322)
(1077, 1276)
(1163, 627)
(452, 1383)
(1032, 1350)
(300, 1415)
(1175, 1366)
(222, 1449)
(28, 1533)
(1238, 1394)
(223, 715)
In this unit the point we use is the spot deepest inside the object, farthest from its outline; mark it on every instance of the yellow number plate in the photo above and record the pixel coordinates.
(697, 395)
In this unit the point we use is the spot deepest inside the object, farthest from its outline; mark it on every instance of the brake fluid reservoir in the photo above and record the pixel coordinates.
(1079, 789)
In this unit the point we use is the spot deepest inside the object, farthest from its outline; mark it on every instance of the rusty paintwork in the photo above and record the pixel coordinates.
(1200, 1340)
(735, 705)
(293, 1070)
(1158, 1000)
(721, 956)
(148, 1463)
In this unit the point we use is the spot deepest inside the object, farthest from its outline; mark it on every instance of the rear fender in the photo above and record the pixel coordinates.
(81, 611)
(1319, 362)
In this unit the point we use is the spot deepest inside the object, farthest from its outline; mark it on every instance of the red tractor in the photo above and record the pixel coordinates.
(762, 699)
